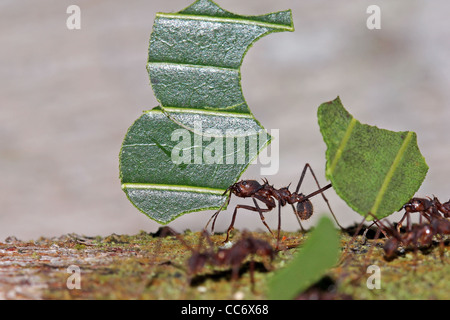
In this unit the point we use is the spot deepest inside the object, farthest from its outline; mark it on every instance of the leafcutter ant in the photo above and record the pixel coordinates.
(233, 257)
(427, 208)
(268, 195)
(418, 235)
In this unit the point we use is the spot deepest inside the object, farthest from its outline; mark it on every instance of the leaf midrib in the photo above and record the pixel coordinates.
(169, 187)
(208, 112)
(341, 146)
(227, 20)
(191, 65)
(390, 173)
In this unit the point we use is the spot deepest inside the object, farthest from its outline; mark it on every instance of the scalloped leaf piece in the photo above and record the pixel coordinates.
(374, 170)
(194, 61)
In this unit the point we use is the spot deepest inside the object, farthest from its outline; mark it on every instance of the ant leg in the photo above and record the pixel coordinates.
(233, 219)
(302, 176)
(408, 222)
(369, 253)
(298, 219)
(260, 211)
(205, 235)
(344, 256)
(235, 268)
(279, 223)
(441, 249)
(225, 204)
(375, 222)
(252, 276)
(307, 166)
(364, 236)
(400, 222)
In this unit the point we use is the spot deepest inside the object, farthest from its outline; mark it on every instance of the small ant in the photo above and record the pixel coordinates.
(233, 256)
(267, 194)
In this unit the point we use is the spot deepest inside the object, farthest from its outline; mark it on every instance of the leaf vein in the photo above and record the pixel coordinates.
(168, 187)
(341, 147)
(391, 172)
(226, 20)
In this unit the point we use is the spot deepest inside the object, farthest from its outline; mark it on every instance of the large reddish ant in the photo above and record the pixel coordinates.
(267, 194)
(233, 256)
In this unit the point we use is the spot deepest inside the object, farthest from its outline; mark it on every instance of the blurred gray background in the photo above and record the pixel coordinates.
(69, 96)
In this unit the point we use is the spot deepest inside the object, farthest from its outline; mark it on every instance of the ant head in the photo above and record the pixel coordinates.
(417, 205)
(245, 188)
(304, 209)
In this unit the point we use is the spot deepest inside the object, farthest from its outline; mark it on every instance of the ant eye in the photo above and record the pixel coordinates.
(244, 183)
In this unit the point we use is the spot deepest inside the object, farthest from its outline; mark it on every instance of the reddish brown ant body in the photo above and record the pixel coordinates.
(269, 195)
(427, 208)
(419, 235)
(444, 208)
(234, 256)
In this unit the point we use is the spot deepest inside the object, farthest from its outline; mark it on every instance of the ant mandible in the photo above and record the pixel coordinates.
(267, 194)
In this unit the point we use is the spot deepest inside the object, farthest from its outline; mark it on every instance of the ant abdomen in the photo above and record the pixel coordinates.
(305, 209)
(390, 246)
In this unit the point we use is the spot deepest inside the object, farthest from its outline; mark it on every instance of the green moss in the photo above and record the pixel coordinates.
(142, 266)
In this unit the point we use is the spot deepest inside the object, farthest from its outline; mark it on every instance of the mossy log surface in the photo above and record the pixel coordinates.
(145, 266)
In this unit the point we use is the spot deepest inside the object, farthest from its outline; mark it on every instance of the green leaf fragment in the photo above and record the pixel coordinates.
(195, 56)
(319, 253)
(167, 170)
(181, 157)
(374, 170)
